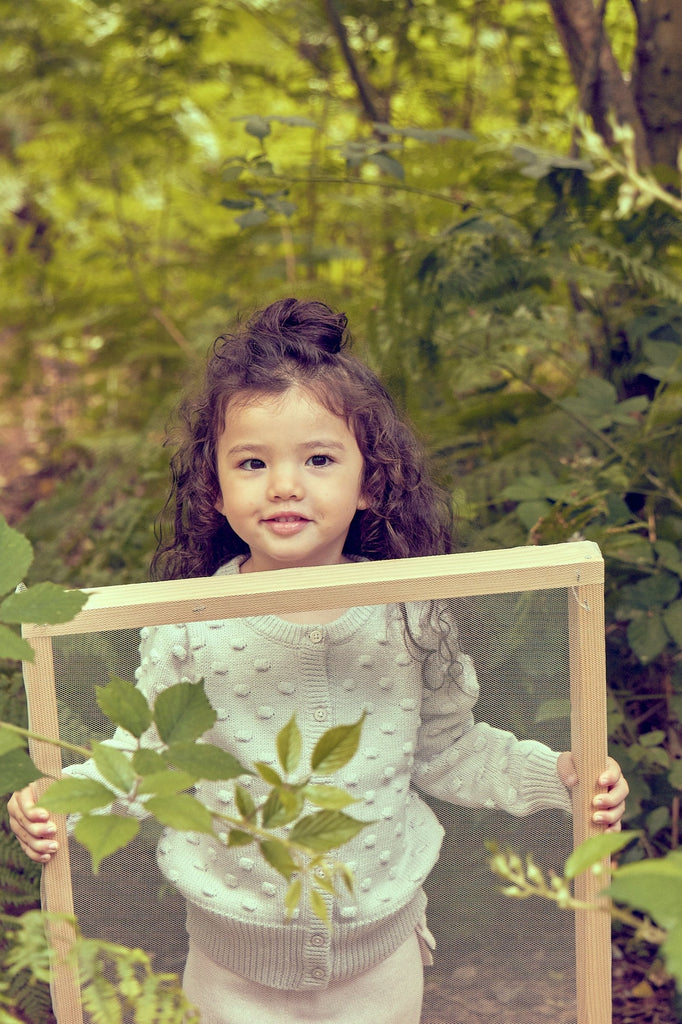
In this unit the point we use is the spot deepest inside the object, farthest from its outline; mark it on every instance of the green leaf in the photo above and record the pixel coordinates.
(237, 837)
(289, 746)
(16, 556)
(318, 906)
(293, 896)
(166, 783)
(655, 887)
(182, 712)
(325, 830)
(647, 636)
(10, 740)
(258, 127)
(277, 855)
(331, 797)
(114, 766)
(244, 802)
(347, 877)
(630, 548)
(336, 747)
(281, 807)
(13, 646)
(237, 204)
(388, 164)
(652, 739)
(16, 770)
(251, 219)
(124, 705)
(45, 602)
(148, 762)
(182, 812)
(268, 774)
(672, 617)
(205, 761)
(104, 834)
(595, 849)
(76, 796)
(658, 589)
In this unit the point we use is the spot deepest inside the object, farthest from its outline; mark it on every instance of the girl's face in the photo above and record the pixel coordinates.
(290, 475)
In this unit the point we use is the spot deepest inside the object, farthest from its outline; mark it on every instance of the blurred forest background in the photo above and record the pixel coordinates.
(490, 191)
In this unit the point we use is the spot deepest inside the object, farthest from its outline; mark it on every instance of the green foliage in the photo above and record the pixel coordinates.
(119, 983)
(162, 780)
(652, 887)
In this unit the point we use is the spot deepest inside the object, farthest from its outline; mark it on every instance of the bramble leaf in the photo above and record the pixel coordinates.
(278, 857)
(325, 830)
(594, 849)
(114, 766)
(205, 761)
(289, 746)
(104, 834)
(76, 796)
(336, 747)
(282, 806)
(293, 896)
(238, 838)
(183, 712)
(165, 783)
(331, 797)
(244, 802)
(44, 602)
(13, 646)
(181, 812)
(16, 770)
(124, 705)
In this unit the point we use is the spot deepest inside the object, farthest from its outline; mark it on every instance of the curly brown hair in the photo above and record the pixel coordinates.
(298, 343)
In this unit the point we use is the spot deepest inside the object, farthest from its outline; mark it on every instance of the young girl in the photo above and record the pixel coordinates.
(293, 455)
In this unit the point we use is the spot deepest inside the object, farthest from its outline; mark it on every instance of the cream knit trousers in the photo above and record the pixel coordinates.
(390, 993)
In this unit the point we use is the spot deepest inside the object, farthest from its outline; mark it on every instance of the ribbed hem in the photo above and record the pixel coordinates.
(281, 956)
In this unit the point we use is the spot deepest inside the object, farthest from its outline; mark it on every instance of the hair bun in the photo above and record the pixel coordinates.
(308, 323)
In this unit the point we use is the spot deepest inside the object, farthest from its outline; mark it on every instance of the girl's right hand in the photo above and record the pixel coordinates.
(32, 826)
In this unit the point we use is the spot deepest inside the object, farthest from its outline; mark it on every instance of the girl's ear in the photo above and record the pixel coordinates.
(219, 504)
(363, 503)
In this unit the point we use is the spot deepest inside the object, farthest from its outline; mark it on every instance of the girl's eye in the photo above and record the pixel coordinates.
(319, 460)
(252, 464)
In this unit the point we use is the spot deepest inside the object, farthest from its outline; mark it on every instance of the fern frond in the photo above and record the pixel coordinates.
(638, 270)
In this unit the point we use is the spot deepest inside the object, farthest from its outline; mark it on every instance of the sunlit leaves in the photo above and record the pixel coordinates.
(336, 747)
(182, 712)
(125, 706)
(289, 745)
(45, 602)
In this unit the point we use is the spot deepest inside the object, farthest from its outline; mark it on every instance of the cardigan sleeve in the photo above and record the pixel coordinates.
(473, 764)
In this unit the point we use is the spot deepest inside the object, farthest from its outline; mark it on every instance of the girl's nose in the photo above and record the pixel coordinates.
(285, 484)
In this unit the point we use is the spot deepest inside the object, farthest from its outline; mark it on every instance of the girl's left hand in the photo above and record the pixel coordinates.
(609, 806)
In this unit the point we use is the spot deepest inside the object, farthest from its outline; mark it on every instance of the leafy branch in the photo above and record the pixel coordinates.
(651, 886)
(117, 983)
(137, 780)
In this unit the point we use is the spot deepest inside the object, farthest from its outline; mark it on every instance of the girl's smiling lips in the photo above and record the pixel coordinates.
(285, 523)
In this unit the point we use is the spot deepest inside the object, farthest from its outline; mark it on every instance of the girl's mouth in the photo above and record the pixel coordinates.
(286, 524)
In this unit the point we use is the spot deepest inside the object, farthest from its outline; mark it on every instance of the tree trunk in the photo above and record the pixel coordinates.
(657, 77)
(600, 81)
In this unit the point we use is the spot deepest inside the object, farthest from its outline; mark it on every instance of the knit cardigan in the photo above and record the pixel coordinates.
(259, 672)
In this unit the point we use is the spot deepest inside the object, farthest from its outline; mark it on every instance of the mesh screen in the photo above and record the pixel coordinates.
(496, 959)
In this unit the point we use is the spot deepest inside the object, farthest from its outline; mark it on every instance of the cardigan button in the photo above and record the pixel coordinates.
(318, 973)
(318, 939)
(320, 714)
(315, 636)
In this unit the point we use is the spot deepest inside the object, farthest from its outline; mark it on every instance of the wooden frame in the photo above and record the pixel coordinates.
(576, 567)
